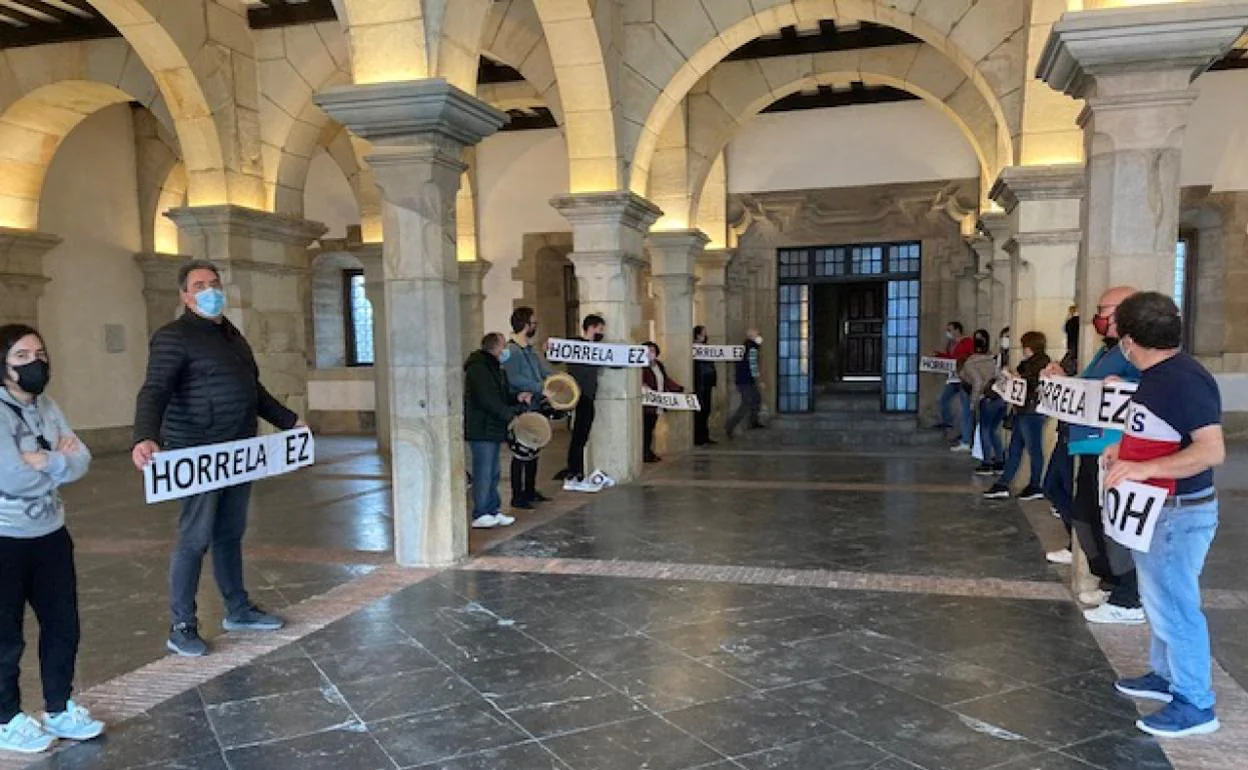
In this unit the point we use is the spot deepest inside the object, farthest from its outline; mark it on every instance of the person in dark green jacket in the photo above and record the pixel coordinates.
(489, 407)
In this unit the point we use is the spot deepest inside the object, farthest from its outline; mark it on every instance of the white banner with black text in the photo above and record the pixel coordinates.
(676, 402)
(1129, 512)
(937, 365)
(1012, 389)
(718, 352)
(1093, 403)
(184, 472)
(596, 353)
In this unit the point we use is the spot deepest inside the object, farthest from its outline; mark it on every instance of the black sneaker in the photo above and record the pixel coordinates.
(523, 505)
(998, 468)
(184, 640)
(984, 469)
(997, 492)
(252, 618)
(1031, 493)
(538, 497)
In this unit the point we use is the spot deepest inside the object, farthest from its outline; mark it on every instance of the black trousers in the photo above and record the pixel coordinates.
(38, 571)
(523, 480)
(702, 418)
(1109, 561)
(649, 420)
(582, 423)
(216, 520)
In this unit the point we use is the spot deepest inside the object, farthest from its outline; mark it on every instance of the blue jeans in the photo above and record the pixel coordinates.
(991, 415)
(1028, 434)
(954, 390)
(486, 471)
(1059, 480)
(1170, 590)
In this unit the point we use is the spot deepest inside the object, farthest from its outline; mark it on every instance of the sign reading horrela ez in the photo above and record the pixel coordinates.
(596, 353)
(1093, 403)
(718, 352)
(676, 402)
(937, 365)
(185, 472)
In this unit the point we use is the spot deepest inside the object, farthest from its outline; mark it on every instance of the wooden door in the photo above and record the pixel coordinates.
(863, 326)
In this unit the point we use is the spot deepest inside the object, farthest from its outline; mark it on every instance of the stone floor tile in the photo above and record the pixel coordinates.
(260, 679)
(503, 676)
(575, 704)
(407, 692)
(746, 723)
(667, 688)
(328, 750)
(647, 742)
(439, 736)
(275, 717)
(1041, 716)
(1119, 751)
(941, 680)
(830, 750)
(522, 756)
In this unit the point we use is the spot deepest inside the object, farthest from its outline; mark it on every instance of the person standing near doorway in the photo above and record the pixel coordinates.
(1108, 560)
(1028, 431)
(203, 387)
(593, 329)
(980, 372)
(490, 404)
(705, 378)
(958, 347)
(749, 384)
(39, 453)
(526, 373)
(1173, 440)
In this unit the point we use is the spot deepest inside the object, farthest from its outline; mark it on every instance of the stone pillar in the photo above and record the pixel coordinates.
(608, 232)
(981, 275)
(673, 261)
(1134, 68)
(472, 304)
(264, 265)
(1043, 206)
(419, 131)
(370, 257)
(1001, 272)
(160, 287)
(21, 273)
(711, 310)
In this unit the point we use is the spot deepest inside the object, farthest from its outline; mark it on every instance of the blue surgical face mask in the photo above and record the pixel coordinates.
(210, 302)
(505, 356)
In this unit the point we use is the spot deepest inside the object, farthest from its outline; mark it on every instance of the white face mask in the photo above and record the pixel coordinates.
(758, 340)
(1005, 343)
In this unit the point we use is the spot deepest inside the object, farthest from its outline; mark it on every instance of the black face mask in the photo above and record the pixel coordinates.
(599, 337)
(33, 377)
(530, 332)
(1110, 342)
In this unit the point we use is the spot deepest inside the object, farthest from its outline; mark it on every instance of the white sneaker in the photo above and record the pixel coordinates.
(578, 485)
(25, 735)
(1096, 597)
(960, 447)
(488, 521)
(1063, 556)
(600, 480)
(503, 520)
(73, 724)
(1112, 613)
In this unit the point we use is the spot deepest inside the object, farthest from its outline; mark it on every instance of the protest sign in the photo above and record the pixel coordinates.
(1012, 389)
(718, 352)
(1093, 403)
(937, 365)
(185, 472)
(596, 353)
(678, 402)
(1129, 511)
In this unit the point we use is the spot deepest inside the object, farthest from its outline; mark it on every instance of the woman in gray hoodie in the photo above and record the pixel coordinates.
(38, 453)
(978, 373)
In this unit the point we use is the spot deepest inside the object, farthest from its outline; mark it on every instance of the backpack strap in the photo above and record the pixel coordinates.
(17, 411)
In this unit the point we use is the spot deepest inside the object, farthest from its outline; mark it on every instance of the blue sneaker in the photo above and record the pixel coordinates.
(1179, 719)
(1151, 686)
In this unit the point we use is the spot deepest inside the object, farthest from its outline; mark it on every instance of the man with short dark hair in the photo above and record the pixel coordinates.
(958, 347)
(1173, 440)
(489, 407)
(749, 385)
(593, 329)
(203, 387)
(526, 373)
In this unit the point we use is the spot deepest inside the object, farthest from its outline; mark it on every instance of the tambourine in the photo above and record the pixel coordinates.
(527, 434)
(563, 391)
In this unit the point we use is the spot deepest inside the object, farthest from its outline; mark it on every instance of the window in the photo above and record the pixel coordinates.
(794, 348)
(1185, 260)
(358, 312)
(901, 347)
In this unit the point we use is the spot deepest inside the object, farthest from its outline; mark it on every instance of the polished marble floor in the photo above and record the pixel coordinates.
(741, 608)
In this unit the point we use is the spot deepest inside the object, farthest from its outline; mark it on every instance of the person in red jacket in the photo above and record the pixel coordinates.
(655, 377)
(958, 347)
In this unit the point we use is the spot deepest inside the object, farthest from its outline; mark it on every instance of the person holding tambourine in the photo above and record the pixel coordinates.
(526, 373)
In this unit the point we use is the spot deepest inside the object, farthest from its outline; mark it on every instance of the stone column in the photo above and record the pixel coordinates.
(608, 232)
(1043, 207)
(711, 310)
(21, 273)
(419, 131)
(160, 287)
(673, 261)
(369, 255)
(1134, 68)
(264, 265)
(472, 304)
(1001, 272)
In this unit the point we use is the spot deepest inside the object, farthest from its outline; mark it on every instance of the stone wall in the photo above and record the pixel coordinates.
(540, 273)
(927, 212)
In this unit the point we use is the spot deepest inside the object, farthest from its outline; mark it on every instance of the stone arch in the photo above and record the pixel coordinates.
(985, 39)
(31, 130)
(172, 195)
(391, 41)
(585, 89)
(513, 35)
(466, 218)
(712, 125)
(190, 63)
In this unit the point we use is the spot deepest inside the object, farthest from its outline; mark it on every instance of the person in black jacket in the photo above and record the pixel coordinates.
(654, 377)
(1028, 431)
(705, 378)
(489, 407)
(594, 329)
(203, 387)
(749, 385)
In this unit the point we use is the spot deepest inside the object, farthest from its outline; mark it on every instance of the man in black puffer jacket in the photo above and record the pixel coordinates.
(489, 408)
(203, 387)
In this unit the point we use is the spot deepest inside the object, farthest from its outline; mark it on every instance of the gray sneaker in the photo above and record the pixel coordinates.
(184, 640)
(252, 619)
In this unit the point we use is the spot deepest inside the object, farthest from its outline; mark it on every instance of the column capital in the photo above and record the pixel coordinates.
(1017, 184)
(674, 253)
(396, 114)
(22, 251)
(1181, 37)
(238, 221)
(607, 221)
(472, 272)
